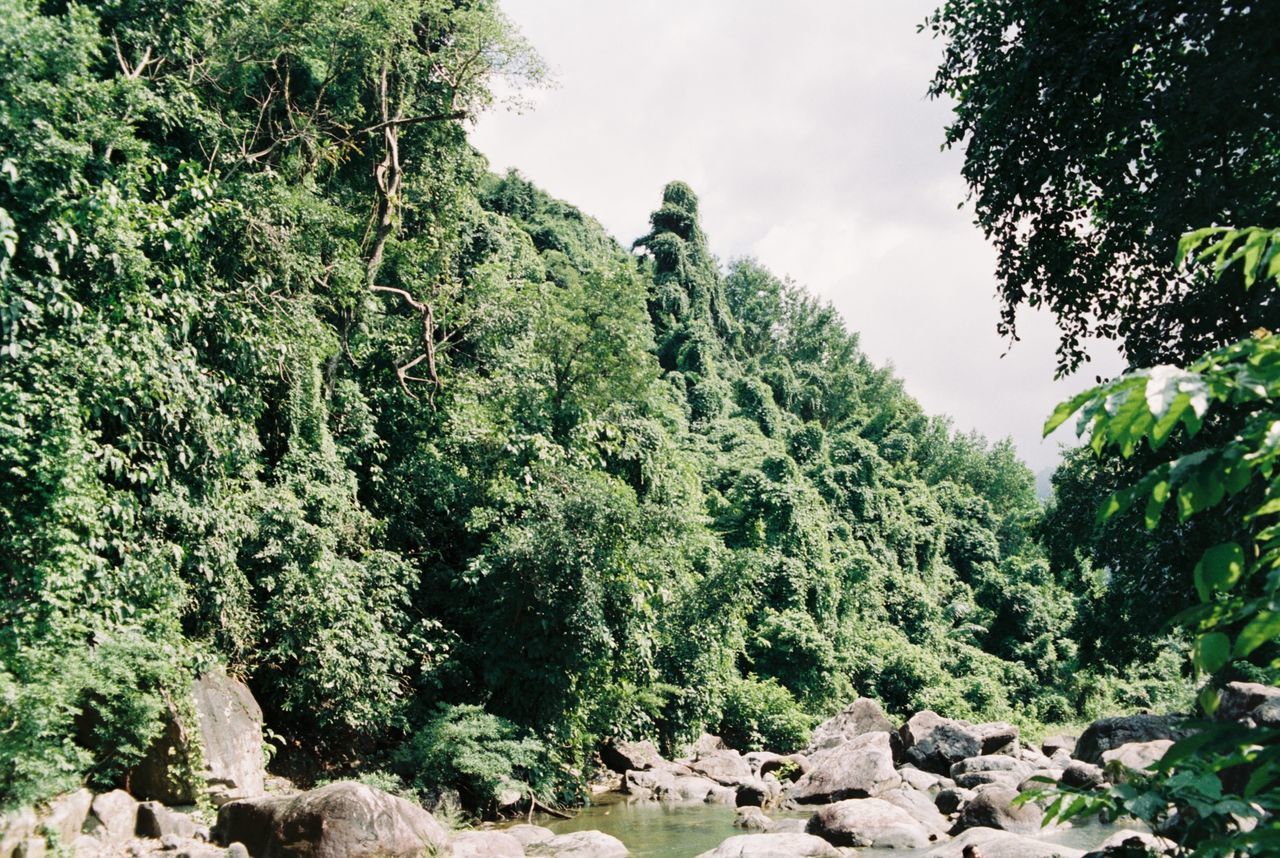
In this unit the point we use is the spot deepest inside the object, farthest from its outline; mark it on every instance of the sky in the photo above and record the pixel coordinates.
(805, 129)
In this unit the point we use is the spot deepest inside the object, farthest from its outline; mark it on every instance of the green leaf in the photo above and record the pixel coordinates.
(1066, 409)
(1212, 651)
(1209, 701)
(1156, 503)
(1264, 627)
(1219, 569)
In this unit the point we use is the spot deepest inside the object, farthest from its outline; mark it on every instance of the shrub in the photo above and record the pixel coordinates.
(761, 715)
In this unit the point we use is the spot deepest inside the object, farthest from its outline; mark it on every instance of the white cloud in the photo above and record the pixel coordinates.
(805, 130)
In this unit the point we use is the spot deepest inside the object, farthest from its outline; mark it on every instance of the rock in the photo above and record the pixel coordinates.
(724, 767)
(237, 850)
(916, 779)
(793, 766)
(200, 850)
(170, 842)
(1107, 734)
(1268, 714)
(990, 843)
(113, 816)
(993, 808)
(1238, 700)
(932, 743)
(645, 784)
(621, 756)
(859, 768)
(974, 772)
(868, 822)
(1059, 742)
(751, 818)
(485, 844)
(155, 820)
(229, 727)
(859, 717)
(707, 744)
(773, 846)
(16, 827)
(921, 808)
(581, 844)
(998, 737)
(722, 795)
(1061, 758)
(694, 789)
(1135, 756)
(345, 819)
(1033, 758)
(787, 826)
(530, 834)
(1083, 775)
(758, 759)
(1137, 840)
(64, 817)
(950, 800)
(32, 847)
(1040, 779)
(761, 792)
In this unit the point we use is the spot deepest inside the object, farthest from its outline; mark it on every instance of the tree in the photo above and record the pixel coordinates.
(1095, 135)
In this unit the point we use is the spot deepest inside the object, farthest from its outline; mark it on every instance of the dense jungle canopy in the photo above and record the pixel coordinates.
(291, 382)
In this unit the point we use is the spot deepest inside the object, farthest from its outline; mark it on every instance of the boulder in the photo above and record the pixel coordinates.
(580, 844)
(530, 834)
(759, 759)
(1238, 700)
(229, 727)
(921, 808)
(485, 844)
(342, 819)
(991, 843)
(1267, 714)
(950, 800)
(1128, 838)
(792, 766)
(1135, 756)
(787, 826)
(1107, 734)
(16, 827)
(707, 744)
(916, 779)
(933, 743)
(993, 807)
(998, 737)
(1058, 742)
(868, 822)
(751, 818)
(1040, 779)
(113, 816)
(157, 821)
(861, 716)
(1083, 776)
(860, 768)
(622, 756)
(1001, 769)
(760, 792)
(692, 789)
(64, 817)
(773, 846)
(724, 767)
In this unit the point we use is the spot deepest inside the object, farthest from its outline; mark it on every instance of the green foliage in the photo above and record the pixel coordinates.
(761, 715)
(1095, 135)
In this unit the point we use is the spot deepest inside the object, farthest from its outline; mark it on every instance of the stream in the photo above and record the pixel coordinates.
(652, 829)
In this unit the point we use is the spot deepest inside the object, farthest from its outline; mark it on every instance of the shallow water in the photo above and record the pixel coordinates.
(653, 829)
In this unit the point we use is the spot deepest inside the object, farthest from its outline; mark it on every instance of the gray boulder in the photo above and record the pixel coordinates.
(993, 807)
(113, 816)
(229, 728)
(921, 808)
(787, 826)
(933, 743)
(992, 843)
(157, 821)
(1107, 734)
(707, 744)
(580, 844)
(792, 766)
(1267, 714)
(1134, 757)
(998, 737)
(1052, 744)
(949, 801)
(1083, 775)
(16, 827)
(622, 756)
(723, 767)
(530, 834)
(861, 716)
(916, 779)
(341, 820)
(860, 768)
(760, 792)
(868, 822)
(974, 772)
(773, 846)
(1238, 700)
(65, 816)
(751, 818)
(485, 844)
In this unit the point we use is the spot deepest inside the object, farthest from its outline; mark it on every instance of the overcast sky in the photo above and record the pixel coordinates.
(805, 130)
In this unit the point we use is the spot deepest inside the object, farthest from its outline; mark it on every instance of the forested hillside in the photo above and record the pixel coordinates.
(291, 382)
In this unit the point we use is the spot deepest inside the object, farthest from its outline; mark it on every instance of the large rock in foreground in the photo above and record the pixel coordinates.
(861, 768)
(868, 822)
(990, 843)
(580, 844)
(773, 846)
(229, 728)
(341, 820)
(993, 807)
(1107, 734)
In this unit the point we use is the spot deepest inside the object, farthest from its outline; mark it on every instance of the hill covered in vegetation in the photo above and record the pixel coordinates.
(290, 381)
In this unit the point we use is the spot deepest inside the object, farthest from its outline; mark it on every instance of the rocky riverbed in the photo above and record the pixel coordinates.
(864, 786)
